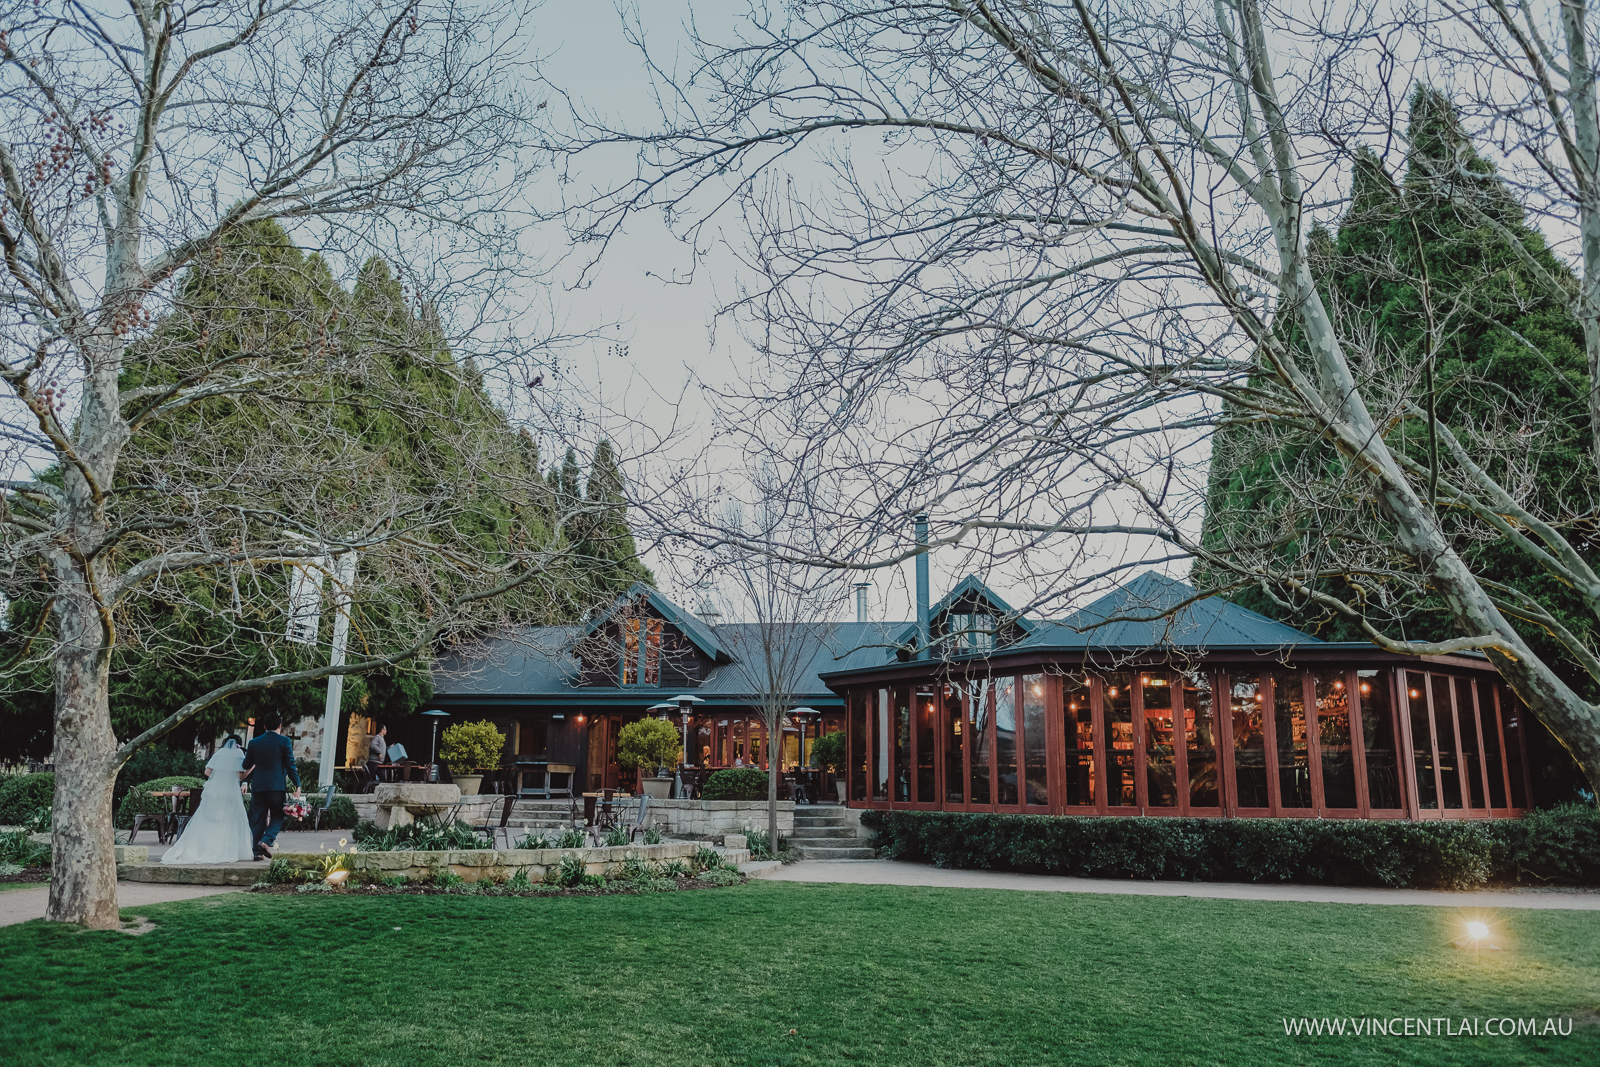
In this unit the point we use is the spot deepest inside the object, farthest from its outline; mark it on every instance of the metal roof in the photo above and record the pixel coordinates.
(538, 667)
(1152, 611)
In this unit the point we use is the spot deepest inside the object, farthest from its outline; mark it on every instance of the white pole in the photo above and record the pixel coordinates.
(344, 579)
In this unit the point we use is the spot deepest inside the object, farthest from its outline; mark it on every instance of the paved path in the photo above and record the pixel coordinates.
(23, 904)
(889, 872)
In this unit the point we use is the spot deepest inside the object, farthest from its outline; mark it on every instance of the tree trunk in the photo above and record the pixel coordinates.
(83, 873)
(774, 749)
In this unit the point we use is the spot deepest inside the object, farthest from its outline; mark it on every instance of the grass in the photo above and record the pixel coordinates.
(864, 974)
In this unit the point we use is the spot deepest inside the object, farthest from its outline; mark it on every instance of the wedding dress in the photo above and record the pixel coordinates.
(220, 831)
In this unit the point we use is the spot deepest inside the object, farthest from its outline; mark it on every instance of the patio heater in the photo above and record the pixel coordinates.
(685, 703)
(802, 715)
(433, 749)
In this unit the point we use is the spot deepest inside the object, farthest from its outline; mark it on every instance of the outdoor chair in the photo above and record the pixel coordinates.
(493, 830)
(320, 809)
(638, 826)
(187, 806)
(157, 821)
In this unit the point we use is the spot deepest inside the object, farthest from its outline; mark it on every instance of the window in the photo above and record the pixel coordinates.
(1201, 738)
(1422, 741)
(1379, 739)
(1249, 744)
(1289, 729)
(979, 743)
(1333, 738)
(974, 632)
(860, 715)
(1080, 741)
(1121, 790)
(641, 651)
(954, 773)
(1160, 759)
(1005, 740)
(1035, 777)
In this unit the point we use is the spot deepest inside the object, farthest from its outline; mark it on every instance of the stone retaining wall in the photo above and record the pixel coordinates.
(495, 865)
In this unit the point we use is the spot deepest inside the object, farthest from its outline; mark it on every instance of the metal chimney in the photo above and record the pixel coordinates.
(924, 634)
(861, 600)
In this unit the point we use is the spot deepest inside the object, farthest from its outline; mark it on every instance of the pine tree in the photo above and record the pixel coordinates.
(1507, 369)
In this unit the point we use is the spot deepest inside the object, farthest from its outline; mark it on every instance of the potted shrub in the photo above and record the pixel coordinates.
(651, 745)
(469, 749)
(827, 752)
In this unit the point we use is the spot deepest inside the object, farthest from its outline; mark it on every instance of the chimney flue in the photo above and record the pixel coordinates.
(924, 633)
(861, 600)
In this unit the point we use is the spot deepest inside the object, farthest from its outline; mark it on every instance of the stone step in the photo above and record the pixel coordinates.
(824, 831)
(815, 853)
(805, 820)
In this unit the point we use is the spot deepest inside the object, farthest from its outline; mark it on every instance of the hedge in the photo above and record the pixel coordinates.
(140, 802)
(152, 762)
(736, 783)
(23, 794)
(1555, 847)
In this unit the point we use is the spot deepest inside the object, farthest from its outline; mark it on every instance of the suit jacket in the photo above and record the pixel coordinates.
(272, 756)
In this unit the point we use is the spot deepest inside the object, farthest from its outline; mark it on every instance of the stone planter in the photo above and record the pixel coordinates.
(469, 783)
(656, 788)
(400, 803)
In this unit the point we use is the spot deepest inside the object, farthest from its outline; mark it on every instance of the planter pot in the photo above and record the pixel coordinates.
(469, 783)
(839, 786)
(656, 788)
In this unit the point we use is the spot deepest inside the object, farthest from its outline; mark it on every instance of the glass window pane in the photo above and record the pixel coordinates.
(927, 717)
(954, 775)
(1005, 740)
(1289, 726)
(1200, 735)
(978, 732)
(1491, 744)
(1471, 764)
(1160, 762)
(1080, 741)
(1422, 741)
(860, 714)
(1444, 722)
(1515, 716)
(1381, 740)
(880, 748)
(902, 743)
(1120, 791)
(1249, 743)
(1333, 737)
(1035, 772)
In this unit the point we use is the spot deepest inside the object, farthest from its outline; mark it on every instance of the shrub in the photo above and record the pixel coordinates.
(569, 872)
(140, 802)
(19, 850)
(279, 872)
(722, 876)
(736, 783)
(156, 761)
(616, 836)
(23, 794)
(1546, 847)
(341, 815)
(707, 859)
(648, 743)
(571, 838)
(534, 841)
(426, 835)
(827, 752)
(470, 746)
(652, 835)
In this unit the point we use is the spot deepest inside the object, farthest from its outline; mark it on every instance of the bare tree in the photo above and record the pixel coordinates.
(163, 483)
(778, 616)
(1021, 259)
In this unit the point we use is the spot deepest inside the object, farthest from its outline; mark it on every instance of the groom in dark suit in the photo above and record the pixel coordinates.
(269, 764)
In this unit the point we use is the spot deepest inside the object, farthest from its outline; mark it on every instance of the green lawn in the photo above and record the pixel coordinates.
(865, 974)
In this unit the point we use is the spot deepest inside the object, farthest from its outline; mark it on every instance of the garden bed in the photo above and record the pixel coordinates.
(27, 876)
(498, 865)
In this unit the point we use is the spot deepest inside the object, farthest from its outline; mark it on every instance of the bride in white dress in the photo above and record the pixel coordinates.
(220, 831)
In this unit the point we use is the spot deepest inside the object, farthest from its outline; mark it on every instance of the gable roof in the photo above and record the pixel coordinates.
(537, 667)
(698, 633)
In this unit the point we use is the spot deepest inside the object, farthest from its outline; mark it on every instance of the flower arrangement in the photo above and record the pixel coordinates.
(296, 807)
